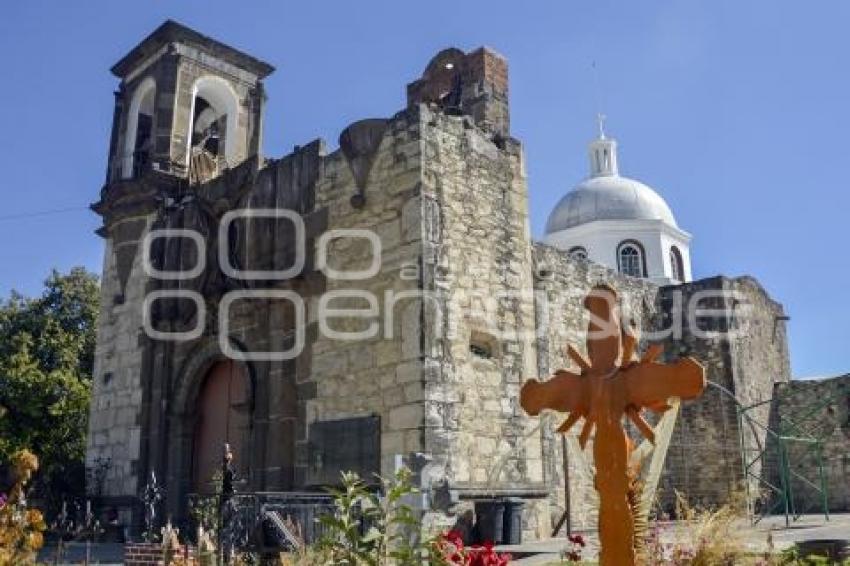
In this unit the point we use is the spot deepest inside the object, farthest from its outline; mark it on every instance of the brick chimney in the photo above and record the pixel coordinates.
(473, 84)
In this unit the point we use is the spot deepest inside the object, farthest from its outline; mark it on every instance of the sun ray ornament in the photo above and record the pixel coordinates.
(613, 383)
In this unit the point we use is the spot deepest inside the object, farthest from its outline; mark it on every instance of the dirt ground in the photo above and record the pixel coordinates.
(808, 527)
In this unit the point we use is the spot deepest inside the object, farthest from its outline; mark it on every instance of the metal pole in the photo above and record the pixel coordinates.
(791, 502)
(783, 476)
(745, 466)
(567, 501)
(823, 485)
(565, 518)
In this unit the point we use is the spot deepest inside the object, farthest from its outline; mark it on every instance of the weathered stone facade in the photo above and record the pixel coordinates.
(821, 409)
(454, 306)
(704, 458)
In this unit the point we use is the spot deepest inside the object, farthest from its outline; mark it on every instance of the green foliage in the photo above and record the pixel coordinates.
(373, 528)
(378, 528)
(791, 557)
(205, 510)
(46, 359)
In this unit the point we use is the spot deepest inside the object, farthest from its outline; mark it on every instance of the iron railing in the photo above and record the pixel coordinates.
(796, 442)
(253, 520)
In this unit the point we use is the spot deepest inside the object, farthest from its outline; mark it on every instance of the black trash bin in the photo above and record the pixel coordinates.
(835, 550)
(490, 522)
(512, 528)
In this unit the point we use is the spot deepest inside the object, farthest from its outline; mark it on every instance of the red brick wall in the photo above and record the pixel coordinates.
(150, 554)
(482, 77)
(489, 66)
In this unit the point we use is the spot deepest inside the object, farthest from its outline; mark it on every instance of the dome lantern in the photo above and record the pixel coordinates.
(620, 222)
(603, 153)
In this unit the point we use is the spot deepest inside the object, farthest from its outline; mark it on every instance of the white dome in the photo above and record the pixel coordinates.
(608, 197)
(637, 236)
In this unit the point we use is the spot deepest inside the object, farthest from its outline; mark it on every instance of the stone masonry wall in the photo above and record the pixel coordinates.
(704, 459)
(562, 284)
(381, 372)
(338, 374)
(479, 319)
(822, 407)
(114, 419)
(761, 360)
(737, 332)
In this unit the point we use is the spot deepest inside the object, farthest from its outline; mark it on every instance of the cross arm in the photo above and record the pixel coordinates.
(650, 384)
(566, 392)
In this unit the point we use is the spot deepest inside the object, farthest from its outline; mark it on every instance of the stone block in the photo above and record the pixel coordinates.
(409, 371)
(406, 417)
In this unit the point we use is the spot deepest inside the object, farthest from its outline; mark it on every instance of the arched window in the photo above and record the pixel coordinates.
(138, 136)
(212, 130)
(677, 266)
(630, 259)
(577, 252)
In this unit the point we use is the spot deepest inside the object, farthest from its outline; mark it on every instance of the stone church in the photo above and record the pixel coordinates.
(381, 303)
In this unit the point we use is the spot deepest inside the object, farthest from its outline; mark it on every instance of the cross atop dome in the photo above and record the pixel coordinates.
(600, 120)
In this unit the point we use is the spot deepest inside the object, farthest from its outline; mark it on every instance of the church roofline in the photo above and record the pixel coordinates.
(171, 31)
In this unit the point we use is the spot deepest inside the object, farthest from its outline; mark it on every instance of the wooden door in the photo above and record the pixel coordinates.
(223, 413)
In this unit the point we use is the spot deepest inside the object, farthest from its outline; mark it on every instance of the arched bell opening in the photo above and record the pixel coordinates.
(212, 130)
(138, 137)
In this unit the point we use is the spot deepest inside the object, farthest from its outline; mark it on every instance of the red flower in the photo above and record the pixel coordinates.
(577, 539)
(486, 555)
(454, 537)
(450, 546)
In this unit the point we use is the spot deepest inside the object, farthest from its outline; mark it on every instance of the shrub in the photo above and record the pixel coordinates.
(205, 510)
(369, 528)
(21, 528)
(380, 529)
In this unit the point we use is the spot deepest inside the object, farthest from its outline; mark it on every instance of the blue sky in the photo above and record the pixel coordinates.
(735, 111)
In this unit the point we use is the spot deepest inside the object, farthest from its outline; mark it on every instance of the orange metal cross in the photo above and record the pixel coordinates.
(613, 384)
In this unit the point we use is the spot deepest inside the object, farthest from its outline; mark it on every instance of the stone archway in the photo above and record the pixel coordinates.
(184, 415)
(222, 415)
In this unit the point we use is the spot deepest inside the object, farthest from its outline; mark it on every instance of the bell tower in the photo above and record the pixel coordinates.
(187, 109)
(187, 105)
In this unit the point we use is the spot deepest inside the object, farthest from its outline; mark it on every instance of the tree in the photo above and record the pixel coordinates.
(46, 361)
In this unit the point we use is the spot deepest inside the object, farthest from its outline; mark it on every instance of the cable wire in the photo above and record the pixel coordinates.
(25, 215)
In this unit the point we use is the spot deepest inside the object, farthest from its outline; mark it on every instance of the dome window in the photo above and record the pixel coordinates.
(677, 266)
(577, 252)
(630, 259)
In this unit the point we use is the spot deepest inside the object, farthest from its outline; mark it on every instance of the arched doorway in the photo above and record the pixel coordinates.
(223, 410)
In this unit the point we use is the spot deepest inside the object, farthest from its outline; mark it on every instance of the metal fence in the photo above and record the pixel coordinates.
(265, 521)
